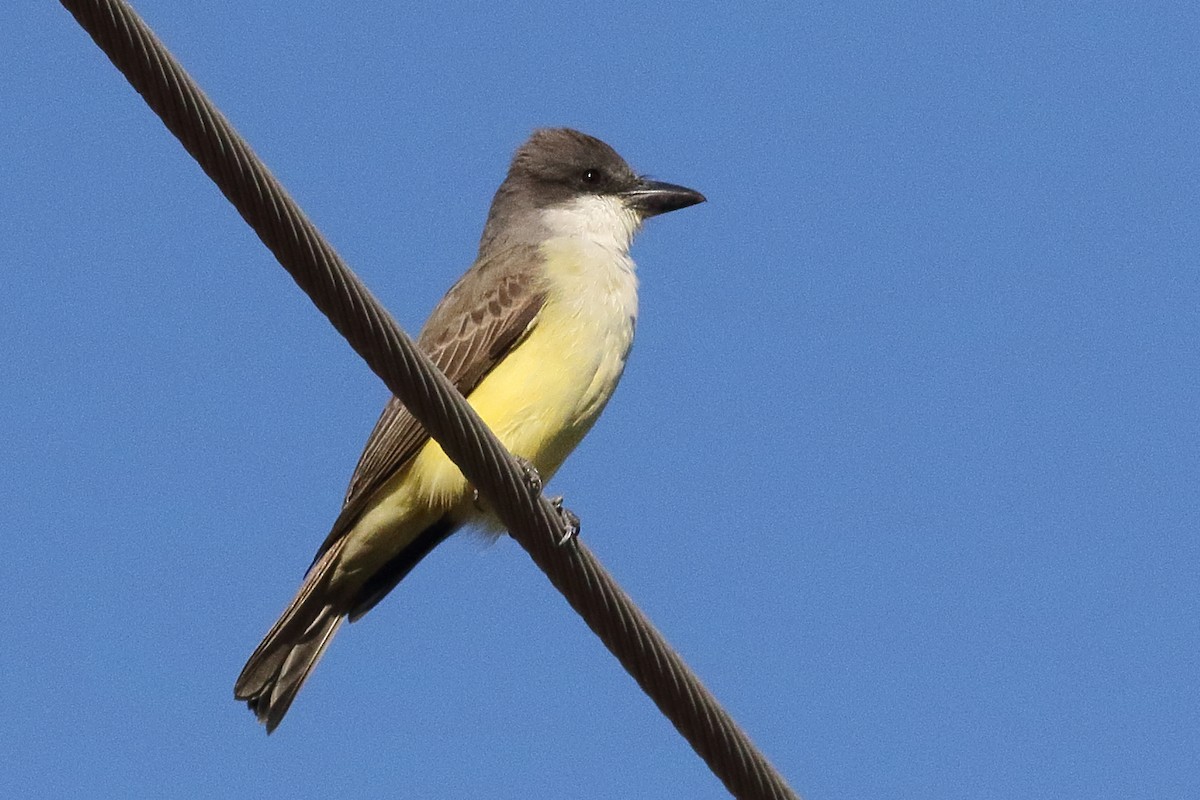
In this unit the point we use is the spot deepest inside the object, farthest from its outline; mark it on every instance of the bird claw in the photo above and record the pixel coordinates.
(570, 521)
(533, 478)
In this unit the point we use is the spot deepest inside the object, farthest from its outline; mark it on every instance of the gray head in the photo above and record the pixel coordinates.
(558, 167)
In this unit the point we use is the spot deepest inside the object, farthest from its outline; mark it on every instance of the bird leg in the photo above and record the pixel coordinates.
(533, 478)
(570, 520)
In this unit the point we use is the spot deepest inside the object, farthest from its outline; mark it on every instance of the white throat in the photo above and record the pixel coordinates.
(602, 221)
(591, 276)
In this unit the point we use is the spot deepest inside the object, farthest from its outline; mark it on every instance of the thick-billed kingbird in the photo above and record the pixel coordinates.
(535, 335)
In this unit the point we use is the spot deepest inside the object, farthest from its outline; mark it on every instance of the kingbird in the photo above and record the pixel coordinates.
(535, 335)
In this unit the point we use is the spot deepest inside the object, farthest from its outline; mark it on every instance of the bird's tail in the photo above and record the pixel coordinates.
(280, 665)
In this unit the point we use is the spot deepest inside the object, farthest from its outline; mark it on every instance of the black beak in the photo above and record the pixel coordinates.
(651, 198)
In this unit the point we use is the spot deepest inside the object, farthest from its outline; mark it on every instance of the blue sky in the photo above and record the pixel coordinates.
(905, 461)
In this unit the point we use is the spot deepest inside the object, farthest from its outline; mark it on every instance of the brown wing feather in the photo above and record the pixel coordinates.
(483, 315)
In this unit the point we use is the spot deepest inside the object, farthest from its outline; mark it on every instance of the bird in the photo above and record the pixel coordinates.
(535, 334)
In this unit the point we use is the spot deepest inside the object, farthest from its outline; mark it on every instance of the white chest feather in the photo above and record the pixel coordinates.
(588, 264)
(593, 290)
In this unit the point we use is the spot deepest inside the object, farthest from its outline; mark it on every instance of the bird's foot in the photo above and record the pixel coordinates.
(570, 520)
(533, 478)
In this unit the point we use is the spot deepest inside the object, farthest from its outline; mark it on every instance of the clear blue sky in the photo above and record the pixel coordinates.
(905, 462)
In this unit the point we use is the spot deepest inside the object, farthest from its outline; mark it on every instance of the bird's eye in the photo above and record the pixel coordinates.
(591, 176)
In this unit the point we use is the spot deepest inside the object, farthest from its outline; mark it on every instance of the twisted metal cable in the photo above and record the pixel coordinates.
(410, 375)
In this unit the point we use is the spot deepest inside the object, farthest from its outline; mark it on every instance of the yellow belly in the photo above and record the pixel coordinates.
(540, 400)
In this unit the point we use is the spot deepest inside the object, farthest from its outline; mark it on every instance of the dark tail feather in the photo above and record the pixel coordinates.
(290, 650)
(280, 665)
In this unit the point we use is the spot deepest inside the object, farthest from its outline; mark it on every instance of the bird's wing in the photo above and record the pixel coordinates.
(483, 316)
